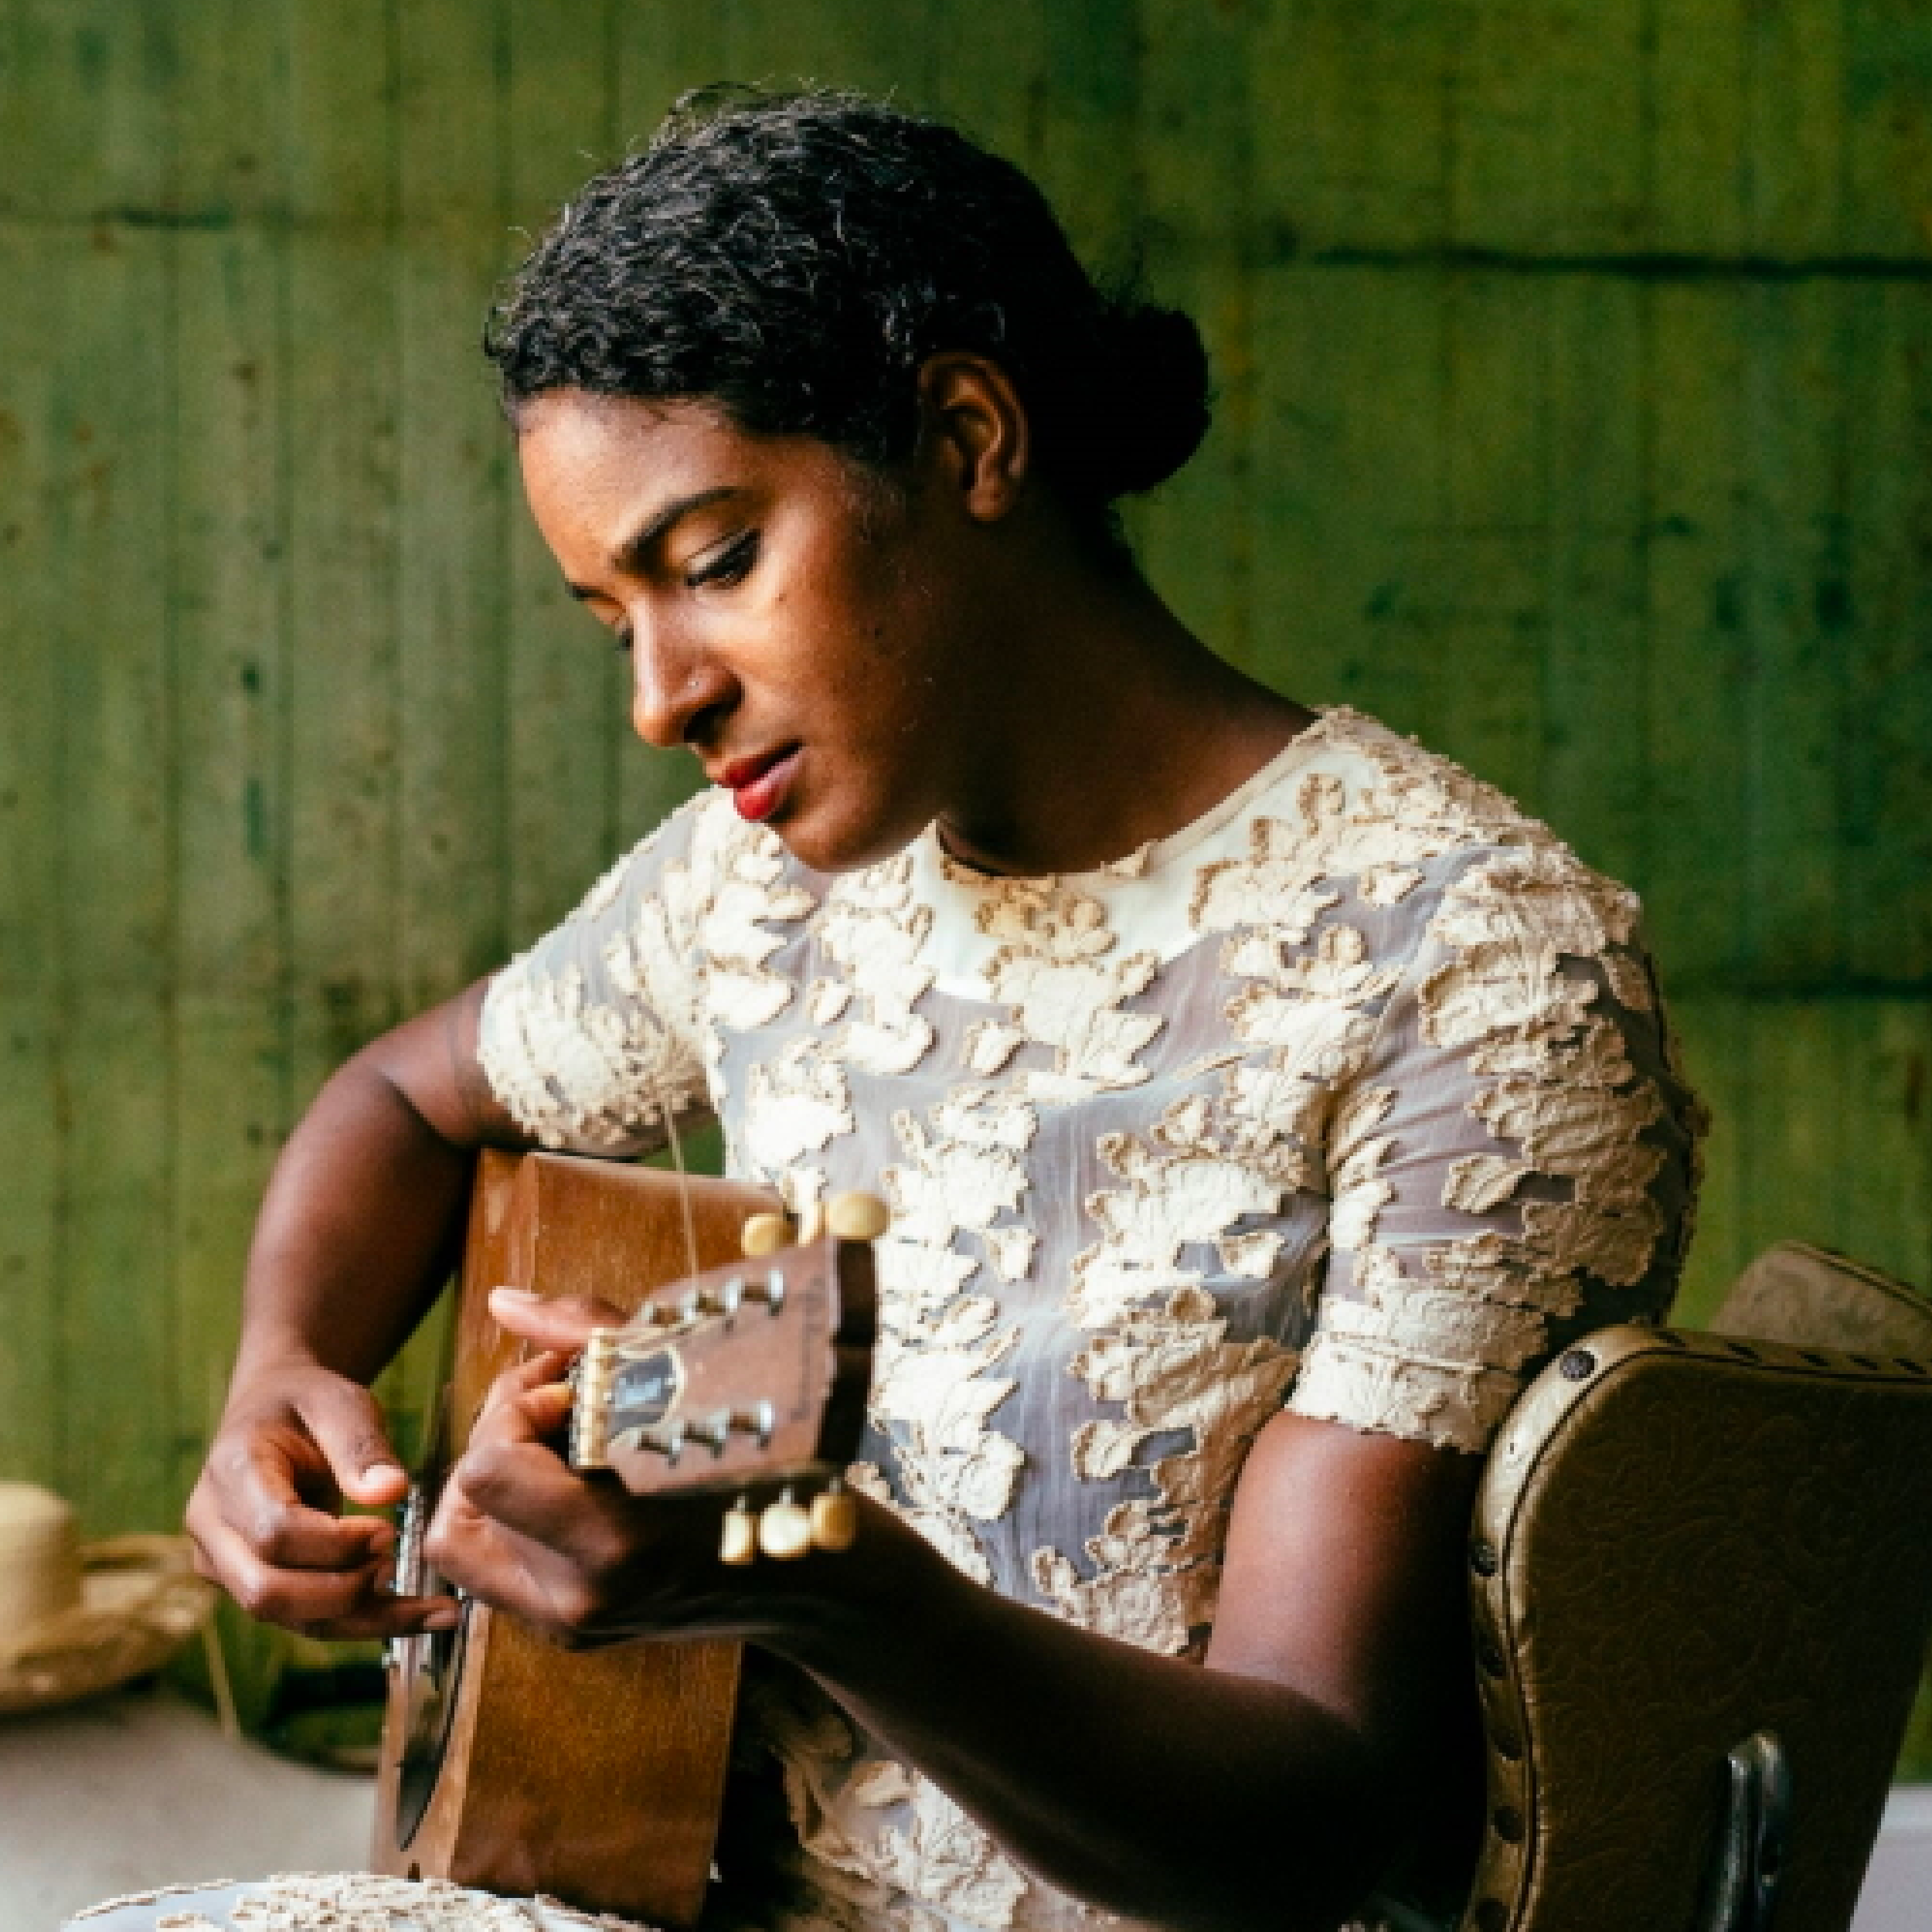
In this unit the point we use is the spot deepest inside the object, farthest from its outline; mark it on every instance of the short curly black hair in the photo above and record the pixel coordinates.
(793, 258)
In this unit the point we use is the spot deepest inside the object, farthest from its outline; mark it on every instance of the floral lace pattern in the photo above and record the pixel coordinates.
(1356, 1096)
(337, 1902)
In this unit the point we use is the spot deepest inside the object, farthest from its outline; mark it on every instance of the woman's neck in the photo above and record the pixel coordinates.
(1111, 725)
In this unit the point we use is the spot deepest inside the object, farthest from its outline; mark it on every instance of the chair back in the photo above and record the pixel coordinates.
(1810, 1297)
(1702, 1578)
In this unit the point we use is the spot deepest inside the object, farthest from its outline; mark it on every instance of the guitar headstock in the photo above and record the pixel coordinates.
(755, 1372)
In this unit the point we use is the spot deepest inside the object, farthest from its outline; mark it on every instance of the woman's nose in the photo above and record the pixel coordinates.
(674, 688)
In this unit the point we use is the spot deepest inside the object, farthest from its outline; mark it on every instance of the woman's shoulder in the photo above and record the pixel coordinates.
(1356, 807)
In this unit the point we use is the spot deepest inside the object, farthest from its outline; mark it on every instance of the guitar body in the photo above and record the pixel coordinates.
(508, 1763)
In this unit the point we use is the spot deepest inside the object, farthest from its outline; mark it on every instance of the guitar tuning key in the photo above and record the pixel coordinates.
(723, 1300)
(857, 1217)
(593, 1374)
(738, 1535)
(714, 1433)
(784, 1529)
(835, 1520)
(771, 1291)
(667, 1440)
(812, 1222)
(758, 1420)
(766, 1234)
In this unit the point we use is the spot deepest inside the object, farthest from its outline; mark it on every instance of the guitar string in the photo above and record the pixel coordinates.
(684, 1175)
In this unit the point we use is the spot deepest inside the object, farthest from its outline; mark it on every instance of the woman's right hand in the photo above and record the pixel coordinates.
(293, 1443)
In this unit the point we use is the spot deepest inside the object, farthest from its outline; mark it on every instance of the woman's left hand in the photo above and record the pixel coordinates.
(580, 1557)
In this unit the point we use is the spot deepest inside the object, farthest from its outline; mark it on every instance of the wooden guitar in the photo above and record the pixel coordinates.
(508, 1763)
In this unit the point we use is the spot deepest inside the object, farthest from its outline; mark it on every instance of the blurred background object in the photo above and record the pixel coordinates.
(1575, 413)
(76, 1621)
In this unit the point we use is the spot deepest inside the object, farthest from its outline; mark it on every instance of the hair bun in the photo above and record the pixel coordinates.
(1152, 394)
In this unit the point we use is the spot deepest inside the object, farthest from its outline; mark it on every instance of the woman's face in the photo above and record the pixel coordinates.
(785, 616)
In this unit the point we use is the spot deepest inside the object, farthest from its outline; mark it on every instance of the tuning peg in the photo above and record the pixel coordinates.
(857, 1217)
(771, 1290)
(591, 1377)
(738, 1535)
(811, 1221)
(759, 1420)
(784, 1529)
(766, 1234)
(835, 1520)
(722, 1299)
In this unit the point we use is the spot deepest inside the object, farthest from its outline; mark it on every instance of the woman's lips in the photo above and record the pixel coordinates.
(758, 785)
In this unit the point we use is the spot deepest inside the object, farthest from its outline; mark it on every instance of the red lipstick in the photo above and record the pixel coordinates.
(758, 785)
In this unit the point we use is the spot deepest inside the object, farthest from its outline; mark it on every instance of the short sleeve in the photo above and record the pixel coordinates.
(1514, 1164)
(586, 1038)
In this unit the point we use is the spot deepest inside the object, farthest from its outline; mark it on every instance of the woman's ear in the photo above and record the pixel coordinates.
(974, 435)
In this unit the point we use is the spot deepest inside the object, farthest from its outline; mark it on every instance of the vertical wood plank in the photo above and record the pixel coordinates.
(343, 856)
(1794, 1164)
(1791, 556)
(659, 54)
(1082, 147)
(1348, 487)
(1547, 149)
(1713, 1032)
(989, 83)
(1699, 661)
(1491, 617)
(1887, 182)
(1795, 91)
(1354, 106)
(452, 572)
(1595, 777)
(1883, 601)
(825, 43)
(1194, 133)
(1887, 1159)
(84, 114)
(109, 378)
(566, 692)
(1697, 84)
(31, 262)
(1747, 113)
(229, 536)
(452, 478)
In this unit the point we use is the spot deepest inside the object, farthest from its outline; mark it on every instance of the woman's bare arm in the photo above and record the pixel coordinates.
(1335, 1714)
(356, 1234)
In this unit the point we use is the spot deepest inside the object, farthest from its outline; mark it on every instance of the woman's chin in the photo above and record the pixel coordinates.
(830, 842)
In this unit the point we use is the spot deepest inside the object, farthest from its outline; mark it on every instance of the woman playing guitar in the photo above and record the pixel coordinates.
(1260, 1099)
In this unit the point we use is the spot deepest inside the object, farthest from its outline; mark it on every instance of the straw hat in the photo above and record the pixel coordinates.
(76, 1621)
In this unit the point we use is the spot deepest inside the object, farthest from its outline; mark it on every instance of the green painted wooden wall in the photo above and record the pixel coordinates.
(1575, 413)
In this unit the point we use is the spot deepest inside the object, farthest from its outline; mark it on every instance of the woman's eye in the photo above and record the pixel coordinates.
(731, 563)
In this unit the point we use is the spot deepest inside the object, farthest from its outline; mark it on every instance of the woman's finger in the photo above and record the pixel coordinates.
(507, 1570)
(319, 1601)
(527, 1488)
(261, 1503)
(533, 1413)
(347, 1425)
(545, 1370)
(567, 1321)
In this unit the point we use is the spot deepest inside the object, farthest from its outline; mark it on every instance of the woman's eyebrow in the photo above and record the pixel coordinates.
(633, 556)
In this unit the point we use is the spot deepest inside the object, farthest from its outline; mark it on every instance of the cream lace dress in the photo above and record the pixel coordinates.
(1354, 1096)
